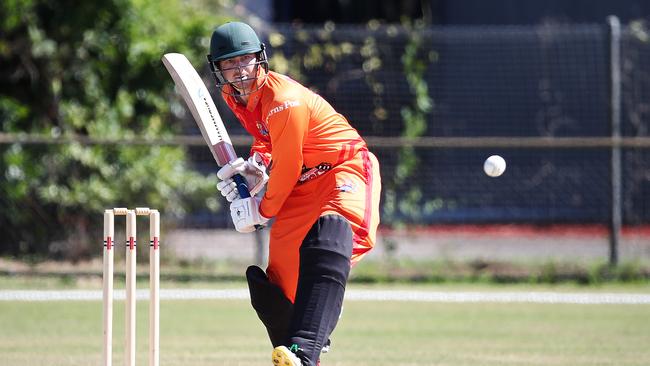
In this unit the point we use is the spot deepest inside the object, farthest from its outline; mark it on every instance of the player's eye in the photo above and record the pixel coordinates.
(237, 62)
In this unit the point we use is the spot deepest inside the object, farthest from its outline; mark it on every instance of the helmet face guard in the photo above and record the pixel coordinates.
(232, 40)
(237, 86)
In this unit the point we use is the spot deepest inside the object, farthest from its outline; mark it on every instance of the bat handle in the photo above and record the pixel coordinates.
(242, 188)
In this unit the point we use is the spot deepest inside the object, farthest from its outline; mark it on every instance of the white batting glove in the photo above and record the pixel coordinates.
(245, 213)
(253, 170)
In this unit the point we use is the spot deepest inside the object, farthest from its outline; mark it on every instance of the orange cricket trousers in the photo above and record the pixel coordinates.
(351, 189)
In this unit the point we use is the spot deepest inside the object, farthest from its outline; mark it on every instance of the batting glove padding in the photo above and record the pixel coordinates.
(253, 170)
(245, 213)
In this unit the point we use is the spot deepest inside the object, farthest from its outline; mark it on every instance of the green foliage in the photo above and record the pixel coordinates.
(92, 68)
(318, 52)
(402, 199)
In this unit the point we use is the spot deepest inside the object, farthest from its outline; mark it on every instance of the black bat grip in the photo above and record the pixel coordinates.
(242, 188)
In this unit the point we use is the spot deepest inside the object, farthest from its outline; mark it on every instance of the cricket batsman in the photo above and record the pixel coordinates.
(322, 189)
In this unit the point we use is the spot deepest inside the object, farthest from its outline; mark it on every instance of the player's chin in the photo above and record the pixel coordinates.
(243, 85)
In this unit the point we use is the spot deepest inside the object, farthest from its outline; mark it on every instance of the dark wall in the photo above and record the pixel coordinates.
(499, 12)
(341, 11)
(460, 12)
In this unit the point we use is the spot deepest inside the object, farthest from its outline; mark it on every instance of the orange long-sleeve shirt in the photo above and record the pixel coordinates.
(298, 131)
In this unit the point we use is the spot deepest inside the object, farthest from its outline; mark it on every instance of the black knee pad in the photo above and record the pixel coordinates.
(273, 308)
(324, 268)
(327, 249)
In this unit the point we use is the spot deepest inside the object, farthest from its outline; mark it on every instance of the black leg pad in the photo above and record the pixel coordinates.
(324, 268)
(273, 308)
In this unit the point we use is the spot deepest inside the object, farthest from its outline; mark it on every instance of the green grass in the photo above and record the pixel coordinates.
(371, 271)
(227, 332)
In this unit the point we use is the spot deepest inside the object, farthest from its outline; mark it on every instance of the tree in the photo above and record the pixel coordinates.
(91, 68)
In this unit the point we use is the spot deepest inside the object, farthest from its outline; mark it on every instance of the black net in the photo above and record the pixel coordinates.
(517, 81)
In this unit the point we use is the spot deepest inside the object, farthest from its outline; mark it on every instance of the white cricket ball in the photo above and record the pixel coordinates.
(494, 166)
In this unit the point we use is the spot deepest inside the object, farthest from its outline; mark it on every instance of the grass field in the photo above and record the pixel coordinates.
(227, 332)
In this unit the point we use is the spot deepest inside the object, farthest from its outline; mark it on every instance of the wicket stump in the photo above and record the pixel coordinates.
(130, 299)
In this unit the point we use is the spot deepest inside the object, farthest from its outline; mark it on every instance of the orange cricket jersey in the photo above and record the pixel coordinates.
(318, 165)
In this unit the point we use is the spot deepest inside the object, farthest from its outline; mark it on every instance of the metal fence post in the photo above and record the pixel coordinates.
(261, 246)
(615, 117)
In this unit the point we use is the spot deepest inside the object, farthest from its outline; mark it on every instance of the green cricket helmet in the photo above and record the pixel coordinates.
(231, 40)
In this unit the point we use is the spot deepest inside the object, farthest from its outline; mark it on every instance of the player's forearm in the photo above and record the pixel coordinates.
(287, 165)
(283, 179)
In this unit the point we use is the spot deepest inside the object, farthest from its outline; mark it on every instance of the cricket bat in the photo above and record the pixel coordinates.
(190, 85)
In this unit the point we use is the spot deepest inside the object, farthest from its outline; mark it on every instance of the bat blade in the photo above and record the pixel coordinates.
(197, 98)
(190, 85)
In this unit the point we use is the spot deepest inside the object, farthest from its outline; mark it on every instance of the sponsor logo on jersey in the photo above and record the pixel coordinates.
(262, 128)
(286, 105)
(313, 173)
(346, 186)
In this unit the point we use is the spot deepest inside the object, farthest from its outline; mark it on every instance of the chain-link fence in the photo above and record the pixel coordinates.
(540, 96)
(518, 83)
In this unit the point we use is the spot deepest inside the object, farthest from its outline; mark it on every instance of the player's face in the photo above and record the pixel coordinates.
(240, 71)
